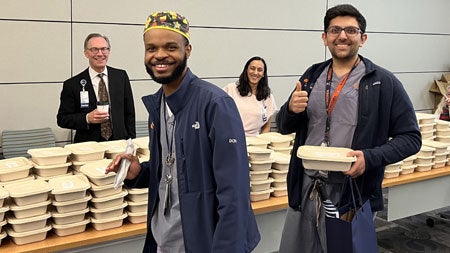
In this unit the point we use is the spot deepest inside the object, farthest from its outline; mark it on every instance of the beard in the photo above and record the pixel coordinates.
(168, 79)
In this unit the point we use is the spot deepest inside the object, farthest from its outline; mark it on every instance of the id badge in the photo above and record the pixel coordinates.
(84, 98)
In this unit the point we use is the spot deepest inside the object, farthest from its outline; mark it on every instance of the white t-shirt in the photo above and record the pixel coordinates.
(254, 113)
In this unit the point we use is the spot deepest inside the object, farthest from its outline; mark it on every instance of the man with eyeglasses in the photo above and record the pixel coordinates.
(346, 101)
(98, 102)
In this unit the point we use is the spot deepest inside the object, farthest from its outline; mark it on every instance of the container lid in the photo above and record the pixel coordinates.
(279, 171)
(97, 169)
(4, 208)
(14, 164)
(48, 152)
(25, 179)
(110, 197)
(280, 158)
(107, 209)
(422, 116)
(14, 220)
(280, 188)
(279, 180)
(427, 125)
(318, 153)
(142, 142)
(71, 202)
(261, 192)
(258, 150)
(267, 181)
(15, 207)
(254, 141)
(137, 203)
(279, 148)
(28, 188)
(261, 162)
(3, 193)
(442, 122)
(117, 146)
(435, 144)
(137, 213)
(95, 187)
(257, 172)
(84, 148)
(121, 217)
(137, 190)
(410, 158)
(63, 215)
(2, 223)
(45, 167)
(275, 137)
(68, 184)
(425, 157)
(11, 232)
(2, 235)
(71, 225)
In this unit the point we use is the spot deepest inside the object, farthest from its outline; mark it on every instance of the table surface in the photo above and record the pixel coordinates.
(92, 236)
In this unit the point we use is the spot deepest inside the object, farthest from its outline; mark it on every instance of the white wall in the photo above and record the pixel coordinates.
(42, 45)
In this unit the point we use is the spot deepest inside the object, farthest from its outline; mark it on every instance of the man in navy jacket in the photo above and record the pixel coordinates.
(371, 114)
(198, 174)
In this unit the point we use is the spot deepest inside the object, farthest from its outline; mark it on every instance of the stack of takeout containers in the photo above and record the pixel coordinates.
(3, 209)
(71, 218)
(142, 149)
(137, 200)
(85, 152)
(440, 152)
(50, 162)
(15, 170)
(443, 131)
(280, 168)
(278, 142)
(260, 168)
(393, 170)
(408, 166)
(427, 125)
(425, 158)
(28, 204)
(107, 204)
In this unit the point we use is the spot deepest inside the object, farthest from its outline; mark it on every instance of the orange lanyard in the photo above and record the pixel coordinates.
(331, 102)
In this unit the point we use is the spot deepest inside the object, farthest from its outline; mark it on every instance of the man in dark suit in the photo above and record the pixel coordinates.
(80, 97)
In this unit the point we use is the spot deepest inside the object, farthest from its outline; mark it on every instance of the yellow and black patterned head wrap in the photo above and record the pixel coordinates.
(168, 20)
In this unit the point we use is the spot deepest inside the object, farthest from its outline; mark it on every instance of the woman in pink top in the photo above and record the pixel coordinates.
(253, 97)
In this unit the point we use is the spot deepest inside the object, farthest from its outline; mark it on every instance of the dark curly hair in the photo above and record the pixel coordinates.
(262, 90)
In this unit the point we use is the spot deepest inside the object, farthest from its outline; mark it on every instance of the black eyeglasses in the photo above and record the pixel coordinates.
(349, 30)
(95, 50)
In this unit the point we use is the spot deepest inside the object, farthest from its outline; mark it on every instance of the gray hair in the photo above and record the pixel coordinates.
(95, 35)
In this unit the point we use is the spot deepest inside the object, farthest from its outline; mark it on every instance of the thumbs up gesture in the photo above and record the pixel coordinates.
(299, 99)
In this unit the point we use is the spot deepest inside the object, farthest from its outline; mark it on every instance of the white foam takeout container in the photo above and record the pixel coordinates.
(280, 161)
(258, 154)
(109, 201)
(69, 217)
(29, 192)
(260, 185)
(95, 171)
(256, 142)
(72, 205)
(102, 224)
(325, 158)
(86, 151)
(137, 194)
(26, 211)
(260, 195)
(49, 156)
(142, 145)
(137, 217)
(137, 207)
(114, 148)
(28, 224)
(51, 170)
(14, 168)
(69, 187)
(105, 190)
(276, 139)
(261, 165)
(29, 236)
(70, 229)
(108, 212)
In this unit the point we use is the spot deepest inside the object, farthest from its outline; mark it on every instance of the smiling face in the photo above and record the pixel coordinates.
(344, 47)
(97, 60)
(255, 72)
(166, 54)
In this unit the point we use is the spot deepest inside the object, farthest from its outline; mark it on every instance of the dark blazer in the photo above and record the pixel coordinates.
(72, 116)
